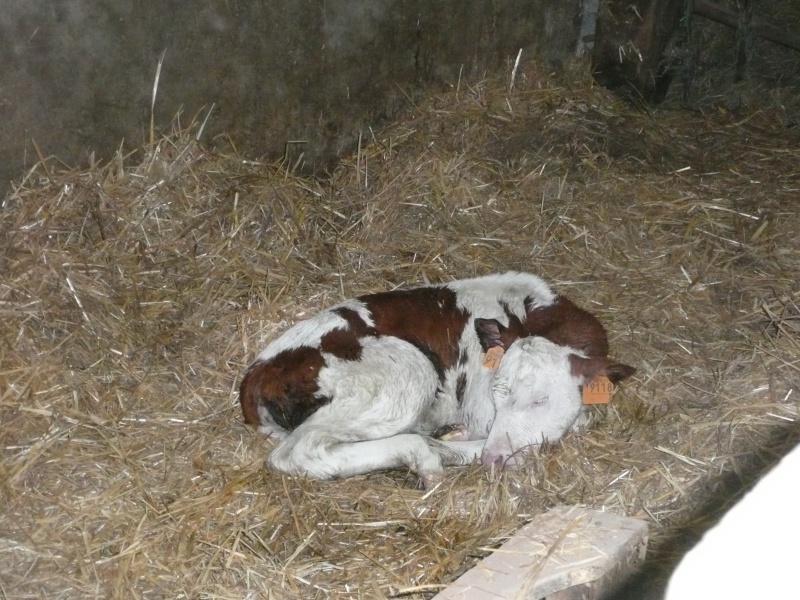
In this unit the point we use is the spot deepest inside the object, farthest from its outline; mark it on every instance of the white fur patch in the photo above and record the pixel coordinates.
(377, 401)
(485, 296)
(310, 331)
(386, 392)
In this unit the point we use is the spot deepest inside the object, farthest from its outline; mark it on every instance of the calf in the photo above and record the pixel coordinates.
(364, 384)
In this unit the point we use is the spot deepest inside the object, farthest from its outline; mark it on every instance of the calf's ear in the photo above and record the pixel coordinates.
(490, 333)
(591, 367)
(616, 372)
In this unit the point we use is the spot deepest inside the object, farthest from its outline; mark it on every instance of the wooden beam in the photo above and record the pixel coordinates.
(728, 17)
(568, 553)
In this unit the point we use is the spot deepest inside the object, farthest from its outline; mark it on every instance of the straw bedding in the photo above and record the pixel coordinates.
(134, 294)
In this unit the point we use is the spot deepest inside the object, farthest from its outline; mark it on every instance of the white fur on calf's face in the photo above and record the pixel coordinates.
(536, 398)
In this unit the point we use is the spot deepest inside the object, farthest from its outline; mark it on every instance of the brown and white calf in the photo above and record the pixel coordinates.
(362, 385)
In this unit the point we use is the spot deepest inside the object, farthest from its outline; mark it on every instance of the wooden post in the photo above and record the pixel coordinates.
(638, 43)
(634, 42)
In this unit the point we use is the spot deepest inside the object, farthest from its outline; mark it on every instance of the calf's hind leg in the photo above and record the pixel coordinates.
(336, 458)
(376, 403)
(311, 455)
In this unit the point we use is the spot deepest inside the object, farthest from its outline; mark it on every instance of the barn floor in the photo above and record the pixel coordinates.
(134, 294)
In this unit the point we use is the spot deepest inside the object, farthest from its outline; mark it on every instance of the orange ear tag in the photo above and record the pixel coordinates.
(598, 390)
(492, 358)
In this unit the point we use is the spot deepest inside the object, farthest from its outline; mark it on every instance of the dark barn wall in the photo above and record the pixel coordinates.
(634, 39)
(78, 76)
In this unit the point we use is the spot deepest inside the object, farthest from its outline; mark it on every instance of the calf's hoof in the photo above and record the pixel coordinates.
(431, 480)
(452, 433)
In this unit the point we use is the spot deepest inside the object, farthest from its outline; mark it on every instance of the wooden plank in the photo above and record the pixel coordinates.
(565, 554)
(762, 28)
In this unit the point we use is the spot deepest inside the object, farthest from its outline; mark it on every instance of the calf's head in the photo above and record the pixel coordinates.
(536, 391)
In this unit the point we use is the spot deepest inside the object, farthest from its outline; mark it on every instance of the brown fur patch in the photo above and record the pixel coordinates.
(567, 325)
(429, 318)
(461, 388)
(346, 343)
(286, 385)
(600, 365)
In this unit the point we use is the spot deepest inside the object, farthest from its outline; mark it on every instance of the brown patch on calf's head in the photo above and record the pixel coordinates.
(592, 366)
(428, 317)
(249, 394)
(567, 325)
(285, 385)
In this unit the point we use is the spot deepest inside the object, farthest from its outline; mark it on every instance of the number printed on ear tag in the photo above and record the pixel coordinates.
(598, 390)
(492, 358)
